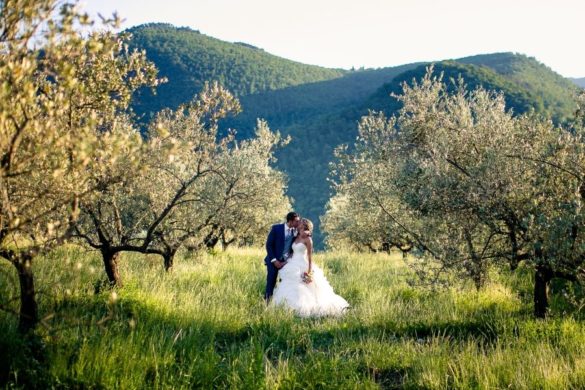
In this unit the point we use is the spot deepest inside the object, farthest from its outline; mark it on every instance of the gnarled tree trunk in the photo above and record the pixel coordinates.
(169, 258)
(478, 280)
(479, 273)
(212, 238)
(110, 259)
(225, 243)
(29, 312)
(542, 278)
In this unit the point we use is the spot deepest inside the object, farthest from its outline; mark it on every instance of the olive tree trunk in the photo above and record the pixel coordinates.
(169, 259)
(542, 278)
(110, 259)
(29, 312)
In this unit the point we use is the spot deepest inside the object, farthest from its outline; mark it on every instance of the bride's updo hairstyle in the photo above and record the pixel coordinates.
(308, 224)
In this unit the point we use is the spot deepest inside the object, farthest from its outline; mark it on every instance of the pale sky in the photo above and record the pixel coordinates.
(378, 33)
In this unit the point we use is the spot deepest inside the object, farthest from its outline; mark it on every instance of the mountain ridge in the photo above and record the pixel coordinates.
(579, 81)
(184, 56)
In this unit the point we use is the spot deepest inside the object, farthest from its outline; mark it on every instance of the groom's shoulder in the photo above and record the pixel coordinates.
(276, 226)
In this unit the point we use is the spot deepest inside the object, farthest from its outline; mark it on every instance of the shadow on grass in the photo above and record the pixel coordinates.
(23, 359)
(217, 346)
(389, 377)
(88, 323)
(484, 329)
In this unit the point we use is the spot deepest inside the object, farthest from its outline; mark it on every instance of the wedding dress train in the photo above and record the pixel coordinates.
(306, 299)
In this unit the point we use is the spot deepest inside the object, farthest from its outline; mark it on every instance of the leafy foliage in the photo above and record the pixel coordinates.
(459, 178)
(314, 140)
(63, 103)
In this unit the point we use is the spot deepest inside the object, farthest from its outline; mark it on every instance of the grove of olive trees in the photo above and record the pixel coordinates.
(454, 177)
(467, 184)
(74, 165)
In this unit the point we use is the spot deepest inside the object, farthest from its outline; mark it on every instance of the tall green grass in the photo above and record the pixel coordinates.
(205, 325)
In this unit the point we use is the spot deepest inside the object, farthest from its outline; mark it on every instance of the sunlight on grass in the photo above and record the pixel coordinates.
(205, 325)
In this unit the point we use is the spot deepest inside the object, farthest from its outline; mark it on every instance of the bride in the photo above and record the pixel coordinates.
(302, 285)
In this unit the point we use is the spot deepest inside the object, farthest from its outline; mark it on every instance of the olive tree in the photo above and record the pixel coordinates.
(179, 153)
(360, 214)
(63, 98)
(236, 201)
(253, 191)
(191, 180)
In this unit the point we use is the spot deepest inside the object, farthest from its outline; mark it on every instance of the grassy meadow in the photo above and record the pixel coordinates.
(205, 326)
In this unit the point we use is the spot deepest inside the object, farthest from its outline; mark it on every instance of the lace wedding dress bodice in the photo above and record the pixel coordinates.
(299, 252)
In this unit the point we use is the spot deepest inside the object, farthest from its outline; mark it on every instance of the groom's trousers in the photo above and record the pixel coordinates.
(271, 276)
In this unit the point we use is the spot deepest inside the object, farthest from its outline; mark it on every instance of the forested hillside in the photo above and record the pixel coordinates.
(551, 93)
(580, 82)
(318, 107)
(188, 58)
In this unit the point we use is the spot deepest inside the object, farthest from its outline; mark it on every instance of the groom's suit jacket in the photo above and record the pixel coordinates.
(275, 243)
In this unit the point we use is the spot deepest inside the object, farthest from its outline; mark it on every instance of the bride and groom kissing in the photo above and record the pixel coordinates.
(302, 286)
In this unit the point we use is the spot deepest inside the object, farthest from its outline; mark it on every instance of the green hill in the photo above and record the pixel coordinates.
(580, 82)
(188, 58)
(551, 92)
(304, 102)
(319, 107)
(316, 134)
(550, 98)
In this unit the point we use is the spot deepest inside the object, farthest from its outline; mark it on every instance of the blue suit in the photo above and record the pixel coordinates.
(277, 244)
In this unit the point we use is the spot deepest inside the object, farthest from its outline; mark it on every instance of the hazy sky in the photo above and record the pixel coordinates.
(378, 33)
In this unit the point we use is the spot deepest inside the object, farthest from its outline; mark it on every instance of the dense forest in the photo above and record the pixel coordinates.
(318, 107)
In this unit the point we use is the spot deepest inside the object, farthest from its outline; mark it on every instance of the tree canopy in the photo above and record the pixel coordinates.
(467, 184)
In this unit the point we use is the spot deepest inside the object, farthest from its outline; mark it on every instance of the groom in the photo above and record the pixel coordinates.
(278, 245)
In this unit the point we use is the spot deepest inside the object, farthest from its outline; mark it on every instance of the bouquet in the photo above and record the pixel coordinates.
(307, 277)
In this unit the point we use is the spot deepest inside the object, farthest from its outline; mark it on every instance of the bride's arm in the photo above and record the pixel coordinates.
(309, 244)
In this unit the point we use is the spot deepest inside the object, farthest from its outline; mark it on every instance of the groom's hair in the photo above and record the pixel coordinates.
(291, 216)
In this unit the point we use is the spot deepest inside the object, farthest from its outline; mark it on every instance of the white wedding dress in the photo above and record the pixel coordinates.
(306, 299)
